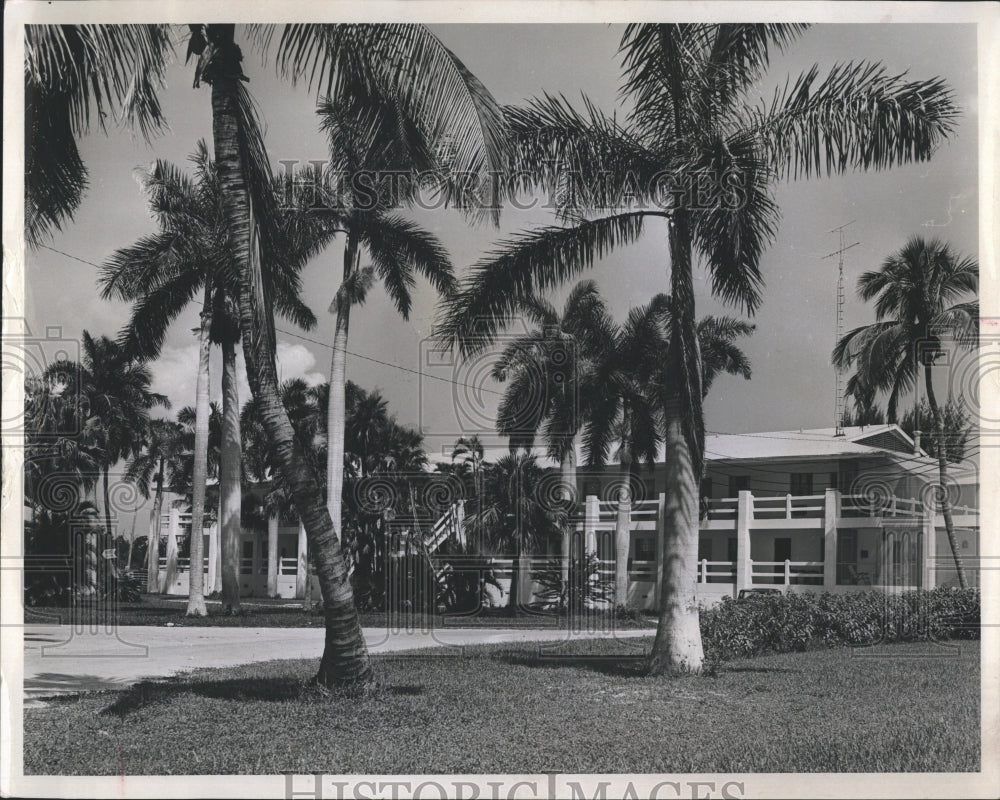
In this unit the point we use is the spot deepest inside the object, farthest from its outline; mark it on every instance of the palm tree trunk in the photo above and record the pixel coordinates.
(515, 577)
(569, 495)
(153, 539)
(336, 412)
(677, 646)
(229, 483)
(199, 473)
(345, 656)
(623, 519)
(949, 525)
(107, 500)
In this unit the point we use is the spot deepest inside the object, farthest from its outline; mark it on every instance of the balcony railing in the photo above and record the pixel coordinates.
(786, 572)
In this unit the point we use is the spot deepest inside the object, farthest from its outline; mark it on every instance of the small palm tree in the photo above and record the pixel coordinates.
(692, 117)
(921, 296)
(469, 451)
(514, 518)
(160, 465)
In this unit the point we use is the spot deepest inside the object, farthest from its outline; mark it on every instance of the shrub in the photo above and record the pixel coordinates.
(796, 622)
(585, 591)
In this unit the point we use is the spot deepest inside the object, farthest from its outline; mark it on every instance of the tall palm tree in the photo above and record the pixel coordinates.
(918, 293)
(73, 74)
(452, 109)
(364, 137)
(160, 465)
(163, 272)
(411, 66)
(514, 518)
(691, 117)
(634, 383)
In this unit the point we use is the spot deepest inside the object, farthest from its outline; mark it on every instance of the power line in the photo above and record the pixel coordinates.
(324, 344)
(390, 364)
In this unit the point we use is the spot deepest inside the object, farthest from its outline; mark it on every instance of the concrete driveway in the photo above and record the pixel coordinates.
(59, 659)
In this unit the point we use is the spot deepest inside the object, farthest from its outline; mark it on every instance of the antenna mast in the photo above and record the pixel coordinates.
(838, 403)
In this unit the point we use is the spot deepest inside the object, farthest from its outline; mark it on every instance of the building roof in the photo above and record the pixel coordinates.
(809, 443)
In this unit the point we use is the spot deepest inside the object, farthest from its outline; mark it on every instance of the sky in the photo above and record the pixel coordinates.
(793, 383)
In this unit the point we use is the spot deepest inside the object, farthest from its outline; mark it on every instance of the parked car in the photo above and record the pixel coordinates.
(749, 594)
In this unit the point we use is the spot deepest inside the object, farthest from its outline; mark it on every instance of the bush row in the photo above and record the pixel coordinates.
(797, 622)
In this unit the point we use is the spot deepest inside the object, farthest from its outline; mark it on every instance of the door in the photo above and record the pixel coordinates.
(782, 553)
(731, 551)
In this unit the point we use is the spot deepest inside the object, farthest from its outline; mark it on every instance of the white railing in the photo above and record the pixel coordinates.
(720, 508)
(288, 566)
(642, 570)
(246, 566)
(788, 571)
(788, 507)
(716, 569)
(182, 564)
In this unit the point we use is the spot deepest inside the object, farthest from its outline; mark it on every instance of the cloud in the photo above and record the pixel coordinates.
(174, 372)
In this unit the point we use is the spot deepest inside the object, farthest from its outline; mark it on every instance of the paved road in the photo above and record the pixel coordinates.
(61, 660)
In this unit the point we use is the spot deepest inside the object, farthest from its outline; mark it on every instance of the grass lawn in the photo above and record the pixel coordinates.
(263, 613)
(499, 709)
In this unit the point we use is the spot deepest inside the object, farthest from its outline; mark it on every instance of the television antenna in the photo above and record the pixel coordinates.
(838, 403)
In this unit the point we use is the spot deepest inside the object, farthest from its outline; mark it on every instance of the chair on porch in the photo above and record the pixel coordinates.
(858, 578)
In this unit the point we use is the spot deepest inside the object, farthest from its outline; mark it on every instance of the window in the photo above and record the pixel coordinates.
(801, 483)
(644, 548)
(737, 484)
(704, 549)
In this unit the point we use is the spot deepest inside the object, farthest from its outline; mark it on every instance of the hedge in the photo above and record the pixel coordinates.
(797, 622)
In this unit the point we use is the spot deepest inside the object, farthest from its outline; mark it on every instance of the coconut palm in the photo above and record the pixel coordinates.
(74, 74)
(697, 151)
(160, 465)
(921, 295)
(162, 273)
(514, 517)
(454, 112)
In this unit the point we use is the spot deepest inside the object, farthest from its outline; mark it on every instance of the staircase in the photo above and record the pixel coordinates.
(448, 525)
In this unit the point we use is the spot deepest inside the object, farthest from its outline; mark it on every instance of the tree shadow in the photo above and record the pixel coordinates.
(623, 666)
(274, 690)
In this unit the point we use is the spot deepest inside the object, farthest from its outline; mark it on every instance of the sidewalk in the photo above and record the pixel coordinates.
(61, 660)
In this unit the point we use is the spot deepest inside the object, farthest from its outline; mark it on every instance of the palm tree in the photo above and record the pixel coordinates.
(159, 464)
(634, 382)
(470, 451)
(687, 86)
(71, 74)
(918, 295)
(162, 273)
(113, 395)
(514, 518)
(547, 370)
(364, 138)
(405, 63)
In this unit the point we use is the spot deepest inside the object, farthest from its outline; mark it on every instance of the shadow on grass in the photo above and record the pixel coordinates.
(624, 666)
(241, 690)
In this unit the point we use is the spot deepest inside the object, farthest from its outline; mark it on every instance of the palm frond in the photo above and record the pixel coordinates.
(524, 267)
(857, 117)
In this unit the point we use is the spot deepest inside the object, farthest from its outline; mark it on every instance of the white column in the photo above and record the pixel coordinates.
(593, 514)
(929, 572)
(213, 558)
(660, 533)
(272, 556)
(831, 513)
(173, 531)
(302, 567)
(744, 515)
